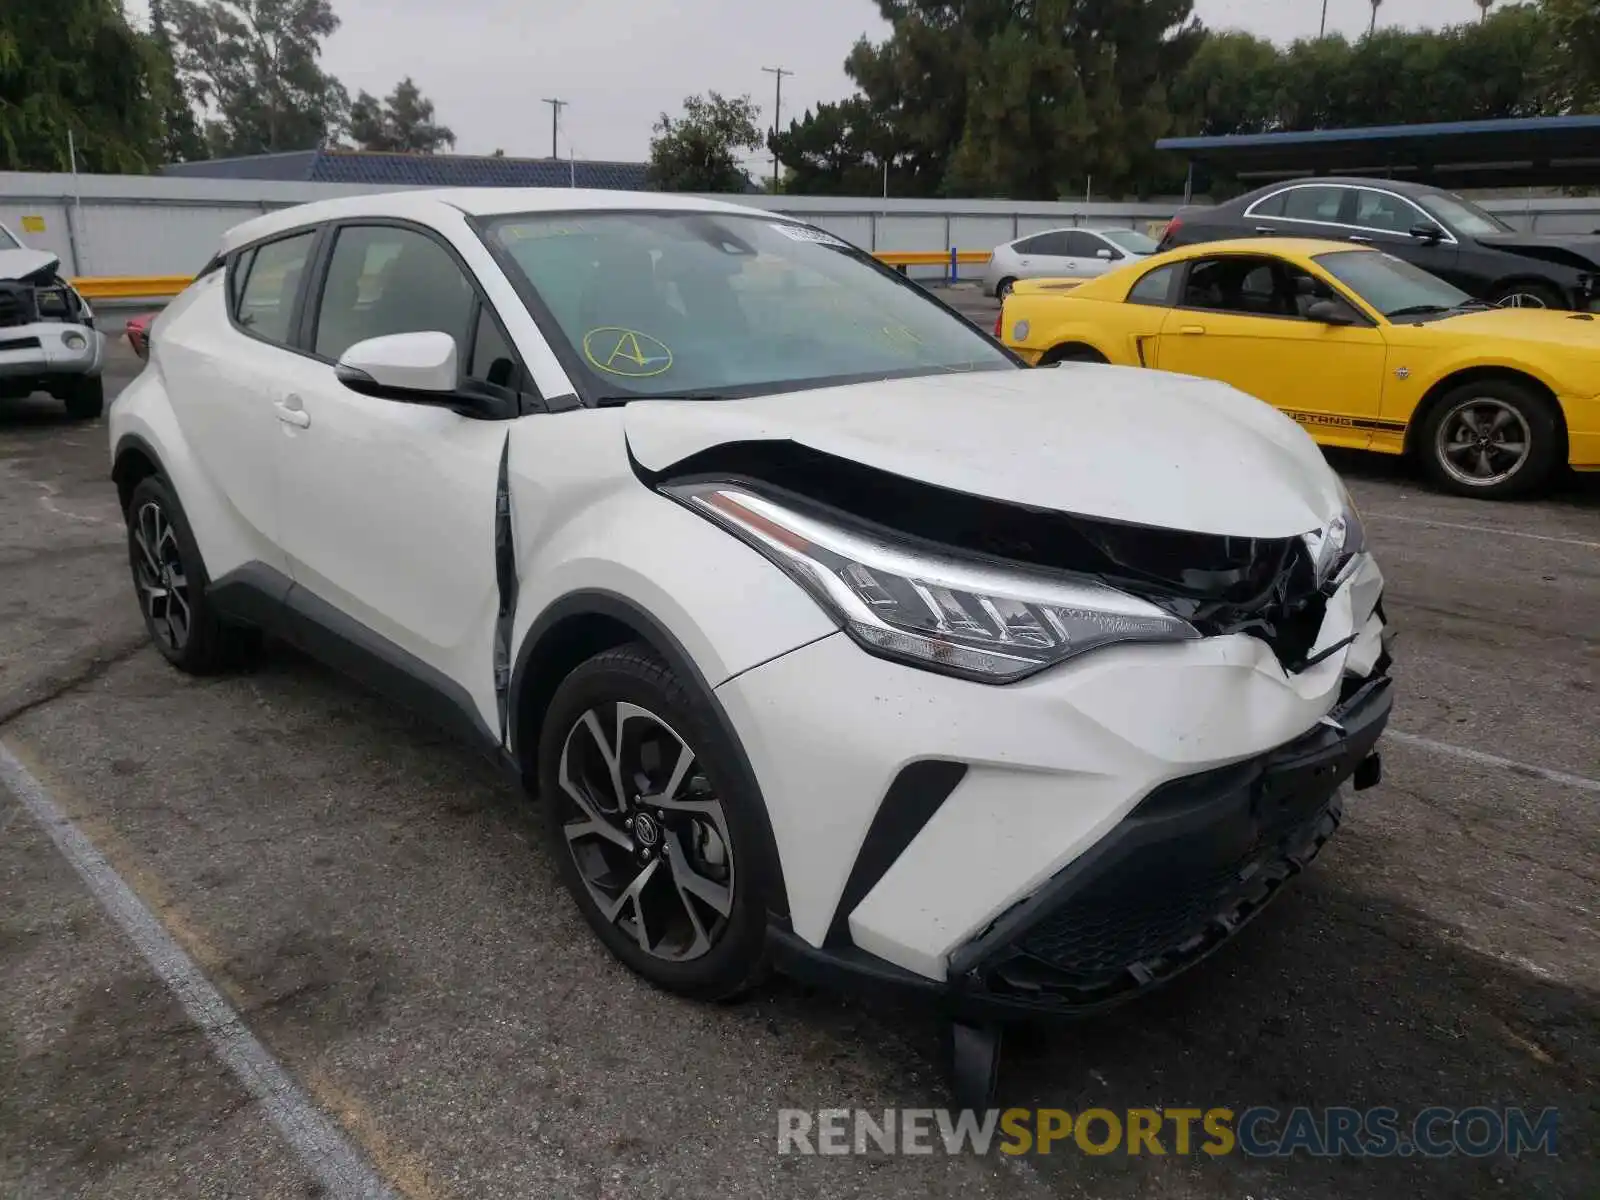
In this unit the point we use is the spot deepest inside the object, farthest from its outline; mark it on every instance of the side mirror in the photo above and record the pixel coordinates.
(411, 368)
(1106, 253)
(1330, 312)
(1424, 231)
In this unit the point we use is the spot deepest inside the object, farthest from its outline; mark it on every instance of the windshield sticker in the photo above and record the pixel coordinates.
(619, 351)
(534, 233)
(804, 233)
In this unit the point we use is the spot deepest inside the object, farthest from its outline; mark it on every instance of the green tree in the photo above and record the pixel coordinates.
(255, 63)
(181, 139)
(698, 151)
(838, 149)
(1575, 38)
(1231, 85)
(401, 122)
(77, 65)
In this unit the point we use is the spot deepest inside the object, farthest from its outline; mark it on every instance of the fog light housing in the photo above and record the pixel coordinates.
(74, 341)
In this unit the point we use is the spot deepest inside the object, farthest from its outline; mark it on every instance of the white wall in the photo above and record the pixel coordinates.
(118, 225)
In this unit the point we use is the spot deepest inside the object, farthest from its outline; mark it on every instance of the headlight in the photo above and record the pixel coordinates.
(989, 623)
(1333, 549)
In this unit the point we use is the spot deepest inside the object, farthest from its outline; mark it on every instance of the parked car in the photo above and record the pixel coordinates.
(829, 635)
(138, 334)
(1441, 232)
(1062, 253)
(1364, 349)
(48, 342)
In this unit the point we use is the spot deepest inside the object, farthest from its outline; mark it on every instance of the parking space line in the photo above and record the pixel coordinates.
(1532, 537)
(1581, 782)
(314, 1138)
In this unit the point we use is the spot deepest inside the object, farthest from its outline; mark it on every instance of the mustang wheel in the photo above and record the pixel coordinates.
(651, 827)
(171, 581)
(1491, 439)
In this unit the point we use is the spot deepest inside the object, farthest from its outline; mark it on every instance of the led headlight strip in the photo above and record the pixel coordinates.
(936, 611)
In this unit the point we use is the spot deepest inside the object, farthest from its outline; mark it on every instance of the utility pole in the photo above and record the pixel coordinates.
(777, 108)
(1322, 30)
(555, 121)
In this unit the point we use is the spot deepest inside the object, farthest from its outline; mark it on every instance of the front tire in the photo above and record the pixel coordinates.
(654, 832)
(1492, 440)
(170, 578)
(1529, 295)
(85, 398)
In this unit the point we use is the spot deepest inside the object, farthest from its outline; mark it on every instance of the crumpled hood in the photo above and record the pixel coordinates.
(20, 264)
(1575, 248)
(1117, 443)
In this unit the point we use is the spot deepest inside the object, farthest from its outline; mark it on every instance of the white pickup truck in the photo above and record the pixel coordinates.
(48, 342)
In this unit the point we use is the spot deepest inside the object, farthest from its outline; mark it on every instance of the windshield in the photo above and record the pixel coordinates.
(1461, 216)
(718, 305)
(1393, 287)
(7, 242)
(1130, 240)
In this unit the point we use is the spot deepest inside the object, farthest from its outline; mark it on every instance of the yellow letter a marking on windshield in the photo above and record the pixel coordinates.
(628, 347)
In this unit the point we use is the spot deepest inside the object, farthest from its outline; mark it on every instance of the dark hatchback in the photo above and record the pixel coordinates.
(1440, 232)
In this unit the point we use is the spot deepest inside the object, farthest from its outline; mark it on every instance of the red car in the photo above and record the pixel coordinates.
(139, 334)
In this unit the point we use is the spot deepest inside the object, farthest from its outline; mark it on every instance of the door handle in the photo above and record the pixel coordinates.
(1191, 329)
(1356, 237)
(1266, 229)
(291, 411)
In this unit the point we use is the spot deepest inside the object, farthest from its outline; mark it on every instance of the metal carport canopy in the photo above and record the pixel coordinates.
(1515, 152)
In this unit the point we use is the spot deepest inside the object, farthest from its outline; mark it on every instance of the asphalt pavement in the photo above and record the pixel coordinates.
(379, 910)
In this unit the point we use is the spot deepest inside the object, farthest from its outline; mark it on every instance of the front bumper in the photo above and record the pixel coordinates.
(1173, 881)
(50, 349)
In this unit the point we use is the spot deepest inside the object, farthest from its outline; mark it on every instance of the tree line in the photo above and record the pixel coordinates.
(1044, 99)
(210, 78)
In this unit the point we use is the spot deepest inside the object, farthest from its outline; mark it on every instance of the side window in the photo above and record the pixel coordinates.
(266, 300)
(493, 362)
(1154, 288)
(1380, 210)
(1242, 284)
(1314, 203)
(1269, 206)
(1083, 245)
(237, 274)
(1030, 245)
(383, 279)
(1054, 244)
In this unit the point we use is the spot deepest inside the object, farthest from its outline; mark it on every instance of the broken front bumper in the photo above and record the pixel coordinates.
(50, 349)
(1188, 867)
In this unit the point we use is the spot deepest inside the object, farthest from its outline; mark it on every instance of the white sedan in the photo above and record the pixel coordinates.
(1062, 253)
(829, 635)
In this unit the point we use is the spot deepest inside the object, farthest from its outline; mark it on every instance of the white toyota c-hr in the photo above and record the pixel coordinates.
(831, 636)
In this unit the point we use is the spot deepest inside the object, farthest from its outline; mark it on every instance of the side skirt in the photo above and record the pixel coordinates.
(260, 596)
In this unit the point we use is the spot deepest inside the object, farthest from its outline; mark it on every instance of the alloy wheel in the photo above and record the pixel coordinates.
(646, 831)
(1483, 441)
(159, 572)
(1521, 300)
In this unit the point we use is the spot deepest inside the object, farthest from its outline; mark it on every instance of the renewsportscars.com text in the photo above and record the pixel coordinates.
(1257, 1132)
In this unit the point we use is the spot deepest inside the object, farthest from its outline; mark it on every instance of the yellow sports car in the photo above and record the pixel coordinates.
(1364, 350)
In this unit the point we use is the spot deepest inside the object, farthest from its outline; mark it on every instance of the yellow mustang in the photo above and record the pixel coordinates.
(1364, 350)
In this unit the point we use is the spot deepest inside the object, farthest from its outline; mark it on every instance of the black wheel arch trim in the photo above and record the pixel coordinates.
(599, 602)
(133, 442)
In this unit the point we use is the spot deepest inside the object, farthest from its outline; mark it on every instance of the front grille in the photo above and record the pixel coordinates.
(16, 305)
(19, 343)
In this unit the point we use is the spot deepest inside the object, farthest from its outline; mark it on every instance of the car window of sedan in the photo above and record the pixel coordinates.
(1031, 245)
(266, 299)
(1382, 210)
(1083, 245)
(385, 279)
(1314, 203)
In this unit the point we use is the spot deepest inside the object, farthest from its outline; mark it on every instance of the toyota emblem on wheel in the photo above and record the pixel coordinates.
(645, 829)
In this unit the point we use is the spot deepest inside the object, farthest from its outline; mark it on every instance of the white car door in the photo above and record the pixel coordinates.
(389, 509)
(1084, 250)
(1044, 255)
(223, 364)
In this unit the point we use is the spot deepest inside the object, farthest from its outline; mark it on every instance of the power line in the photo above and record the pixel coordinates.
(555, 120)
(777, 109)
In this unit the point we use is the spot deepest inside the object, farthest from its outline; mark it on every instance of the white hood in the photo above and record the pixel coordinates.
(19, 264)
(1119, 443)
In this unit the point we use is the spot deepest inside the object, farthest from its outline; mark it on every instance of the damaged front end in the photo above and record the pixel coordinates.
(48, 340)
(1093, 581)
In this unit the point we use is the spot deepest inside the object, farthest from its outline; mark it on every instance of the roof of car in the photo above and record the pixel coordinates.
(1404, 187)
(430, 204)
(1304, 247)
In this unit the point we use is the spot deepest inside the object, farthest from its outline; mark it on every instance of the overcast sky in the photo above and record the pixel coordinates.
(487, 64)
